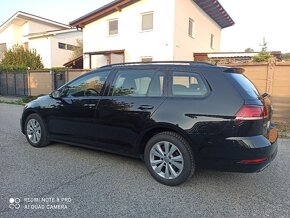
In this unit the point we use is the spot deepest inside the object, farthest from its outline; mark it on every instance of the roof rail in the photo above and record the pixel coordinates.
(192, 63)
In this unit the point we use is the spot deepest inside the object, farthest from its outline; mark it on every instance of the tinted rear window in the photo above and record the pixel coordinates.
(244, 84)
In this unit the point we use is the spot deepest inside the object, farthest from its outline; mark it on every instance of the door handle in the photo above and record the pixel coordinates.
(146, 107)
(89, 105)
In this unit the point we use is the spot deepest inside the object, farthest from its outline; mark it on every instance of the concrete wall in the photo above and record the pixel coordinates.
(39, 82)
(74, 73)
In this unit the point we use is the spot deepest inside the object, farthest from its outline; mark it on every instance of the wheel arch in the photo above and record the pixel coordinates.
(24, 117)
(162, 127)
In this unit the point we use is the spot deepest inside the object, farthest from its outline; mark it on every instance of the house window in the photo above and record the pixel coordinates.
(66, 46)
(113, 27)
(212, 41)
(147, 21)
(146, 59)
(61, 45)
(69, 47)
(191, 25)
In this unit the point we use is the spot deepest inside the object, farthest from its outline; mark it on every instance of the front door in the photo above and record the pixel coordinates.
(73, 116)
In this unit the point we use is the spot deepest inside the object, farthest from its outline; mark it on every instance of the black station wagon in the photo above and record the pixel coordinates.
(176, 116)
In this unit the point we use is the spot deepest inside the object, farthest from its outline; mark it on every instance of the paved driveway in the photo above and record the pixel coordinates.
(65, 181)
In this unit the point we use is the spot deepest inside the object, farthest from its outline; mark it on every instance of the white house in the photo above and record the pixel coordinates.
(54, 41)
(145, 30)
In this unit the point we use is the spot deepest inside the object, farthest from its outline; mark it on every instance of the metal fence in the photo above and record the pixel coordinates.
(35, 82)
(13, 84)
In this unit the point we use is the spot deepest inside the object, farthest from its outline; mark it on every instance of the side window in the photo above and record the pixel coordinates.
(90, 85)
(138, 83)
(188, 84)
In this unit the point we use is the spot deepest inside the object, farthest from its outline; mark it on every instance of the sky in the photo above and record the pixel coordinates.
(254, 19)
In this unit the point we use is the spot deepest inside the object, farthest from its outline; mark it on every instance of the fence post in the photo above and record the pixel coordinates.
(24, 84)
(7, 87)
(51, 72)
(270, 75)
(66, 75)
(0, 83)
(28, 83)
(15, 88)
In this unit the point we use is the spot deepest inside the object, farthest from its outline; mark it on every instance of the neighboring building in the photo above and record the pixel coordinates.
(54, 41)
(145, 30)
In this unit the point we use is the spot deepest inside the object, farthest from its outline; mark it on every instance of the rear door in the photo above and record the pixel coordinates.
(126, 111)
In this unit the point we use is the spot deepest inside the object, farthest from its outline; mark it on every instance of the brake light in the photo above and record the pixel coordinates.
(260, 160)
(251, 112)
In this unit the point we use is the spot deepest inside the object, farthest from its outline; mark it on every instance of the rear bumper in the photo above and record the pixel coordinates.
(241, 154)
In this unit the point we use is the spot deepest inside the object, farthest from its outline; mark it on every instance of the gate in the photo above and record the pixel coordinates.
(13, 84)
(59, 78)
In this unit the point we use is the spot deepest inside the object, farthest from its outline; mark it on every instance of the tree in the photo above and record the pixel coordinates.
(249, 50)
(263, 56)
(19, 56)
(264, 45)
(78, 49)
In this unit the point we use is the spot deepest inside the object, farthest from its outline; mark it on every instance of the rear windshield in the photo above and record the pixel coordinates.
(244, 84)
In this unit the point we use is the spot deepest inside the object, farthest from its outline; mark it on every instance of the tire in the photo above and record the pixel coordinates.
(35, 131)
(169, 158)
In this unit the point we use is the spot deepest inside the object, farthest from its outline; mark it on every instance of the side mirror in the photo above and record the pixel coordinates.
(55, 94)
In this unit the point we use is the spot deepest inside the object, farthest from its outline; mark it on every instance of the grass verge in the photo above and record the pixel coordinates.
(21, 101)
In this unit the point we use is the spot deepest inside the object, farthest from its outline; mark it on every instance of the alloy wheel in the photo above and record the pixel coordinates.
(166, 160)
(33, 131)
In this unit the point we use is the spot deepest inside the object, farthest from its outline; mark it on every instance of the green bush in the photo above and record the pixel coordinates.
(19, 57)
(12, 68)
(261, 57)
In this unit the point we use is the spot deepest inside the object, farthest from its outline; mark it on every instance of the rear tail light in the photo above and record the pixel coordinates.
(251, 112)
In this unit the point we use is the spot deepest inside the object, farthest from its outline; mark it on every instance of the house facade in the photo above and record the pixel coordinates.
(53, 41)
(151, 30)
